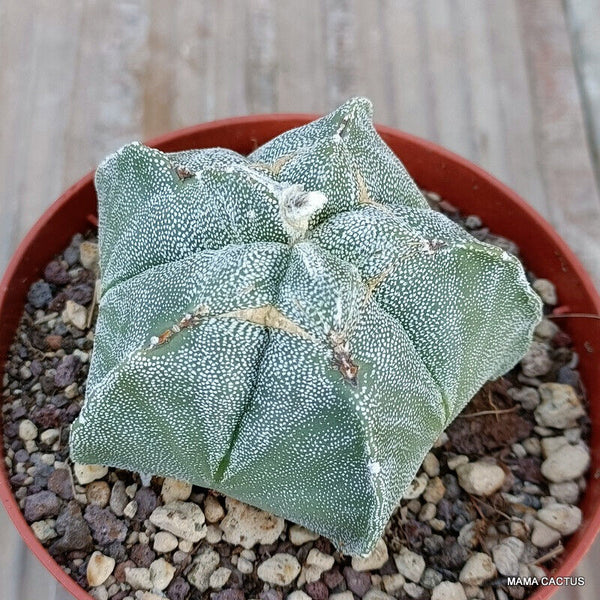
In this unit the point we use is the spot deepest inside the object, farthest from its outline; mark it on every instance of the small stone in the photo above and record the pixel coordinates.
(40, 294)
(106, 528)
(244, 566)
(347, 595)
(67, 371)
(54, 342)
(537, 361)
(59, 482)
(98, 492)
(88, 255)
(151, 596)
(246, 526)
(138, 578)
(179, 589)
(431, 465)
(71, 391)
(480, 478)
(321, 560)
(44, 530)
(142, 554)
(528, 397)
(566, 492)
(219, 578)
(357, 581)
(213, 511)
(454, 462)
(281, 569)
(317, 590)
(546, 291)
(87, 473)
(478, 569)
(546, 329)
(99, 593)
(27, 430)
(430, 578)
(230, 594)
(164, 542)
(560, 407)
(118, 498)
(49, 436)
(393, 583)
(74, 314)
(532, 446)
(468, 536)
(434, 491)
(543, 536)
(41, 505)
(130, 509)
(566, 464)
(174, 489)
(412, 590)
(161, 574)
(300, 535)
(507, 554)
(448, 590)
(375, 560)
(74, 531)
(550, 445)
(564, 518)
(213, 534)
(203, 567)
(300, 595)
(410, 564)
(186, 546)
(183, 519)
(146, 501)
(416, 487)
(99, 568)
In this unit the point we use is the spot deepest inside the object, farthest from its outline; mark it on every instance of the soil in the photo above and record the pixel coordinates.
(440, 529)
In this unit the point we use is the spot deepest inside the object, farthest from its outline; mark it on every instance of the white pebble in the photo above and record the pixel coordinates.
(543, 536)
(455, 461)
(448, 590)
(480, 478)
(87, 473)
(174, 489)
(560, 407)
(300, 535)
(416, 487)
(375, 560)
(183, 519)
(393, 583)
(219, 578)
(507, 554)
(99, 568)
(213, 511)
(164, 542)
(431, 465)
(246, 526)
(138, 578)
(478, 569)
(281, 569)
(566, 464)
(564, 518)
(566, 492)
(410, 564)
(27, 430)
(74, 314)
(546, 290)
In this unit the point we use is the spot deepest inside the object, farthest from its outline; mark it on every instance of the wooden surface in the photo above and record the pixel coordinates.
(513, 85)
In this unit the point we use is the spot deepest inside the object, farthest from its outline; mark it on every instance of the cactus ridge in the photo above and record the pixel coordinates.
(293, 328)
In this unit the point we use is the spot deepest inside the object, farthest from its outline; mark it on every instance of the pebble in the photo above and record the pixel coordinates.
(106, 528)
(87, 473)
(560, 407)
(300, 595)
(430, 578)
(88, 255)
(427, 512)
(357, 581)
(141, 554)
(74, 314)
(478, 569)
(118, 498)
(546, 329)
(44, 530)
(347, 595)
(410, 564)
(130, 509)
(49, 436)
(27, 430)
(322, 561)
(300, 535)
(480, 478)
(393, 583)
(564, 518)
(213, 534)
(543, 536)
(375, 560)
(448, 590)
(376, 594)
(431, 465)
(229, 594)
(246, 526)
(99, 568)
(412, 590)
(507, 555)
(174, 489)
(244, 566)
(550, 445)
(161, 574)
(434, 491)
(546, 290)
(533, 446)
(164, 542)
(41, 505)
(566, 492)
(179, 589)
(219, 578)
(203, 567)
(213, 511)
(98, 492)
(67, 371)
(455, 461)
(281, 569)
(183, 519)
(74, 531)
(146, 501)
(138, 578)
(40, 294)
(537, 361)
(566, 464)
(416, 487)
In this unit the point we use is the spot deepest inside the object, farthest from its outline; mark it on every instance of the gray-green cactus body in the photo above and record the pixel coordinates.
(293, 328)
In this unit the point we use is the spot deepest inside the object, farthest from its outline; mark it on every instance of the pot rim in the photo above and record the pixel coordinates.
(278, 122)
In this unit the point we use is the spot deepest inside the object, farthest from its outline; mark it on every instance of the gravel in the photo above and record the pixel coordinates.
(497, 494)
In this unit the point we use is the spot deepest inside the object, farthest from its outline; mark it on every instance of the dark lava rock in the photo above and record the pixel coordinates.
(147, 501)
(433, 544)
(317, 590)
(41, 505)
(67, 371)
(73, 529)
(332, 578)
(229, 594)
(527, 468)
(82, 293)
(416, 532)
(39, 294)
(324, 545)
(36, 368)
(452, 488)
(47, 417)
(451, 556)
(358, 582)
(56, 273)
(106, 528)
(117, 551)
(142, 555)
(179, 588)
(119, 571)
(54, 342)
(21, 456)
(271, 595)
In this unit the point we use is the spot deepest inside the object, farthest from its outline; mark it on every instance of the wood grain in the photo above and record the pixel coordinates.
(511, 85)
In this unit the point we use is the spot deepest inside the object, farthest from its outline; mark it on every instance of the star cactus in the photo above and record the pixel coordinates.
(293, 328)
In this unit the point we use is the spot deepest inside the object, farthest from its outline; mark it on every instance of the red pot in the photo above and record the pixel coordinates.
(455, 179)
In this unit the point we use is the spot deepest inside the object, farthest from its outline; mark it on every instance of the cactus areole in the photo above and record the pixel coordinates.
(293, 328)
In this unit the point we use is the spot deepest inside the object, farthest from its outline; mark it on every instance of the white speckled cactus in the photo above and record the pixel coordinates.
(293, 328)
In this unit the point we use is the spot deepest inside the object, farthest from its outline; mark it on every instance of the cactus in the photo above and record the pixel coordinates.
(294, 328)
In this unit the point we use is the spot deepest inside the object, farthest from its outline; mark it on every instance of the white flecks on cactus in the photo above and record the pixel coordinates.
(293, 328)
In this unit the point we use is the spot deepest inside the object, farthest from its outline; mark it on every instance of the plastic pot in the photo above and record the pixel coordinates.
(434, 168)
